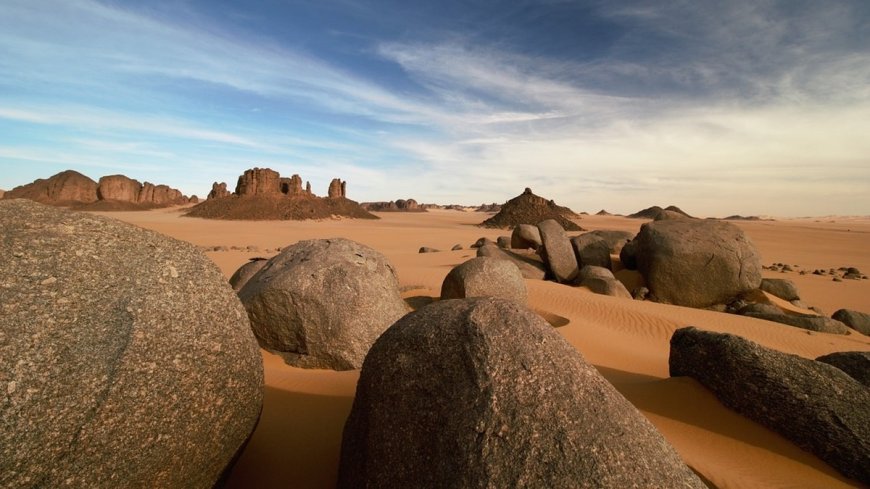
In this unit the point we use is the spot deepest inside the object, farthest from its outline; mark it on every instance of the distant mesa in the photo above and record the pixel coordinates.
(112, 193)
(262, 194)
(654, 211)
(400, 205)
(528, 208)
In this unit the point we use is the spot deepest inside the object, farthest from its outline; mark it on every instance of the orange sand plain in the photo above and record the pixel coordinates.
(297, 441)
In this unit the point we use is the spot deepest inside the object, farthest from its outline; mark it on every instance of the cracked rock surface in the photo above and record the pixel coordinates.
(126, 360)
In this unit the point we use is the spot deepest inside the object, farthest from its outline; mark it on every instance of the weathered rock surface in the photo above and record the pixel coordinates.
(484, 393)
(291, 186)
(591, 250)
(557, 251)
(259, 181)
(65, 188)
(528, 208)
(118, 187)
(125, 358)
(337, 189)
(810, 323)
(530, 266)
(628, 255)
(322, 303)
(855, 363)
(859, 321)
(816, 406)
(615, 239)
(526, 236)
(218, 190)
(780, 287)
(696, 263)
(245, 272)
(400, 205)
(485, 277)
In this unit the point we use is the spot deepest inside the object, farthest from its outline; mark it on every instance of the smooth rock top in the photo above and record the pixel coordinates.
(781, 287)
(859, 321)
(557, 251)
(483, 393)
(485, 277)
(615, 239)
(245, 272)
(322, 303)
(696, 263)
(815, 405)
(126, 360)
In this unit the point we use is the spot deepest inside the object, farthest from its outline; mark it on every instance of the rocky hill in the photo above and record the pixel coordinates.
(262, 194)
(528, 208)
(654, 211)
(114, 192)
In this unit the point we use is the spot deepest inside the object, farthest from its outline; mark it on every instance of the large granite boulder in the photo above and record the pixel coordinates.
(526, 236)
(815, 405)
(481, 393)
(245, 272)
(591, 250)
(696, 263)
(600, 280)
(855, 363)
(125, 358)
(118, 187)
(781, 287)
(322, 303)
(485, 277)
(859, 321)
(557, 251)
(530, 266)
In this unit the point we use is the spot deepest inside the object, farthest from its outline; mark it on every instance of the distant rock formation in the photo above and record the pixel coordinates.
(401, 205)
(262, 194)
(528, 208)
(654, 211)
(488, 208)
(603, 212)
(113, 192)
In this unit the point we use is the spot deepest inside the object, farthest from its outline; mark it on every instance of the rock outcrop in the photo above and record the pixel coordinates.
(484, 393)
(820, 324)
(118, 187)
(262, 194)
(322, 303)
(654, 211)
(815, 405)
(696, 263)
(528, 208)
(485, 277)
(116, 370)
(557, 252)
(66, 188)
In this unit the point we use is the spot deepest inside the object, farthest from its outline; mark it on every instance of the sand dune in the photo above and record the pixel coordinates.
(297, 441)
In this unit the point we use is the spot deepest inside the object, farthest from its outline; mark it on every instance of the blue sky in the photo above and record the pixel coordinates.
(758, 107)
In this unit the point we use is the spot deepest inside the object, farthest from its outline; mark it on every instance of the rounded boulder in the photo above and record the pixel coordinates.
(485, 277)
(322, 303)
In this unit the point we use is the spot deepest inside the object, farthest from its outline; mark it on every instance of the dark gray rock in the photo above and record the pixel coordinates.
(245, 272)
(481, 393)
(426, 249)
(322, 303)
(615, 239)
(526, 236)
(557, 251)
(780, 287)
(530, 266)
(859, 321)
(456, 247)
(504, 242)
(810, 323)
(815, 405)
(855, 363)
(591, 250)
(485, 277)
(126, 360)
(482, 242)
(628, 255)
(695, 262)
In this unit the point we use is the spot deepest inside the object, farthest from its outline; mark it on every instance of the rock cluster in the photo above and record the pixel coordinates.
(813, 404)
(113, 192)
(528, 208)
(401, 205)
(125, 358)
(484, 393)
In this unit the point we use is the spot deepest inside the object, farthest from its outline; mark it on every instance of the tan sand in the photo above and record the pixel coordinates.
(297, 441)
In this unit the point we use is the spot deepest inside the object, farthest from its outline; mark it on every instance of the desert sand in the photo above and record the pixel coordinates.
(297, 441)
